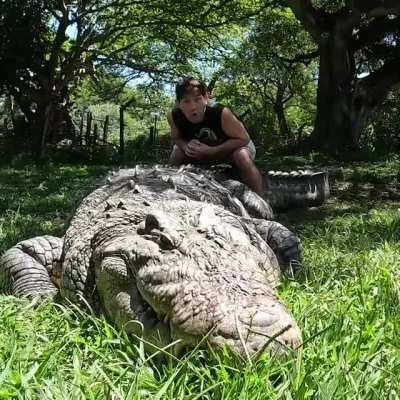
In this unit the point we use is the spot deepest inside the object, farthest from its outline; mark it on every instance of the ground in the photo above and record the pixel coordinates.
(346, 300)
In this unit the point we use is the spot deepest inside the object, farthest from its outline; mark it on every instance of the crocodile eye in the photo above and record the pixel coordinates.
(163, 239)
(166, 241)
(151, 223)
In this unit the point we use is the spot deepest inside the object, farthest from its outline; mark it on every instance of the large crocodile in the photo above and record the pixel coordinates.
(169, 255)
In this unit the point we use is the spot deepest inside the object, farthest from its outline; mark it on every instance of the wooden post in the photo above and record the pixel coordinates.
(95, 134)
(153, 129)
(105, 129)
(151, 135)
(122, 108)
(121, 131)
(12, 112)
(80, 138)
(88, 128)
(45, 132)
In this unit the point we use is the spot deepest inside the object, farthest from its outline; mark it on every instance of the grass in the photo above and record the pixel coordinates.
(346, 301)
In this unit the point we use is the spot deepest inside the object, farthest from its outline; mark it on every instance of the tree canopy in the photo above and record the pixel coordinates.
(264, 82)
(265, 59)
(77, 37)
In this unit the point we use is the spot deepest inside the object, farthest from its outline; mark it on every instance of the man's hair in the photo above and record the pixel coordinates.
(186, 85)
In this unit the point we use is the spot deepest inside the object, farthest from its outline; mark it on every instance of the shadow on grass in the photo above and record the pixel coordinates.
(358, 219)
(38, 200)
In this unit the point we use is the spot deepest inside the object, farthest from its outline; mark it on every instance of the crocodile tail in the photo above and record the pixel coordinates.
(296, 189)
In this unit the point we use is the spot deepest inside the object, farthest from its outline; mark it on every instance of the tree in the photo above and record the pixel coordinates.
(385, 127)
(264, 80)
(359, 62)
(76, 37)
(23, 46)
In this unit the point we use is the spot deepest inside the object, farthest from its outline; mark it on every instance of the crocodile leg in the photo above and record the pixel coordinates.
(32, 267)
(257, 206)
(284, 243)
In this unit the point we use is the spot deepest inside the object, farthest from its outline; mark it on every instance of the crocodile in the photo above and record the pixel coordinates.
(172, 256)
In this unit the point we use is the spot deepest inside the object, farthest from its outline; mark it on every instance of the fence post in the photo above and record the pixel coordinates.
(88, 128)
(80, 138)
(153, 129)
(105, 129)
(95, 134)
(122, 108)
(121, 131)
(152, 135)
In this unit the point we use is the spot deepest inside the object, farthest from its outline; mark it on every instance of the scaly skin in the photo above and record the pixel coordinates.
(173, 255)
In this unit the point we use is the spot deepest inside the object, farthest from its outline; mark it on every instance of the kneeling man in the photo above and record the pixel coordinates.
(204, 134)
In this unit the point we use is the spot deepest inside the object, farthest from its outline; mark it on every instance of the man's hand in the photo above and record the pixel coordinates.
(199, 151)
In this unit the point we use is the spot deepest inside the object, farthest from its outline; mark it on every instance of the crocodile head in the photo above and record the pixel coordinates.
(189, 271)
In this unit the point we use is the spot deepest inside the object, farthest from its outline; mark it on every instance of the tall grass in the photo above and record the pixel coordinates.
(346, 301)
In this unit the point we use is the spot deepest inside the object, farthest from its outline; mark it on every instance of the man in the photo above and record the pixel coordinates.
(204, 134)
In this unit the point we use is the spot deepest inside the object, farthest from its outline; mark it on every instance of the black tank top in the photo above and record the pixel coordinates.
(209, 131)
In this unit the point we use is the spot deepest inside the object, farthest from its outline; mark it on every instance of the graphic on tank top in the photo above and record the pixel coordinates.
(209, 131)
(206, 135)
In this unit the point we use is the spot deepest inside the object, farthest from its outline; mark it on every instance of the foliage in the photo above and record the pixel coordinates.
(22, 39)
(24, 43)
(346, 301)
(58, 57)
(263, 81)
(385, 125)
(156, 39)
(148, 106)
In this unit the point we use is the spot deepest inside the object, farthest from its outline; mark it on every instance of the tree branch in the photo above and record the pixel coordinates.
(375, 31)
(375, 9)
(58, 42)
(376, 85)
(299, 58)
(306, 14)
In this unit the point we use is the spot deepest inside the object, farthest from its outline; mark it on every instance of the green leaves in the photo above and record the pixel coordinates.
(263, 80)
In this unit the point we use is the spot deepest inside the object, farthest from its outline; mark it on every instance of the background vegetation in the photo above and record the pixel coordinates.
(303, 75)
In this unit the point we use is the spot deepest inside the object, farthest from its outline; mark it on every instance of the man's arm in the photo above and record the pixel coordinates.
(237, 137)
(236, 132)
(176, 135)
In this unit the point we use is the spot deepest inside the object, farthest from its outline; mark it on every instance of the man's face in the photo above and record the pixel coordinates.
(193, 105)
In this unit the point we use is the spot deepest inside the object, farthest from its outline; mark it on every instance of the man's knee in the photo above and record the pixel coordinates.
(242, 158)
(177, 156)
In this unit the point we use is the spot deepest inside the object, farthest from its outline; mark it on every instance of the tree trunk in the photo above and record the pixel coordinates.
(48, 114)
(284, 129)
(345, 101)
(341, 112)
(47, 117)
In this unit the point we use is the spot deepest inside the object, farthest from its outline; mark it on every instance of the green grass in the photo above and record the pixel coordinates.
(346, 301)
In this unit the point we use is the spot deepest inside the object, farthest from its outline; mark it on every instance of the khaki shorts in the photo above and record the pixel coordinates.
(250, 148)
